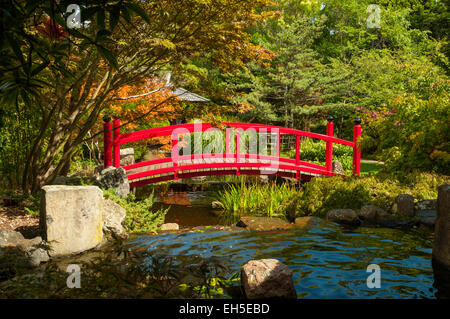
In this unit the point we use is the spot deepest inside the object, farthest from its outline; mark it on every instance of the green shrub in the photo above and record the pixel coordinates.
(322, 194)
(416, 136)
(140, 215)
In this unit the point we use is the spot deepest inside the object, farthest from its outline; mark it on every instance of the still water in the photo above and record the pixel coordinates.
(328, 261)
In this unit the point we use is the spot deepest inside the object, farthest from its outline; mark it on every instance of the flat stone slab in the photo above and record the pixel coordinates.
(263, 223)
(71, 218)
(169, 226)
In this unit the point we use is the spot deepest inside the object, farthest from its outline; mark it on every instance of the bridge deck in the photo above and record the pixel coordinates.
(271, 169)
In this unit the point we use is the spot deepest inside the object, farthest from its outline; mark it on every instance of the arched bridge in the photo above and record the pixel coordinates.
(245, 148)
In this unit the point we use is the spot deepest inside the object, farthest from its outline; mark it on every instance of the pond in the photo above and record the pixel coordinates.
(328, 261)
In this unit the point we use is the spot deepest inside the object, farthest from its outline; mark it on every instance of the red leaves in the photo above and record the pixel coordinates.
(51, 29)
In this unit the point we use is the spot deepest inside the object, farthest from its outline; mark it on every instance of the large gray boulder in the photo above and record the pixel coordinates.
(71, 218)
(344, 216)
(113, 216)
(112, 177)
(404, 205)
(267, 278)
(441, 246)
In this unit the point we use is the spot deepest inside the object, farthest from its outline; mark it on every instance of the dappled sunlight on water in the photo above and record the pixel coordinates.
(327, 261)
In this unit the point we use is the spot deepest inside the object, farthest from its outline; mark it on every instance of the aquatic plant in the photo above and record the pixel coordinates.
(255, 199)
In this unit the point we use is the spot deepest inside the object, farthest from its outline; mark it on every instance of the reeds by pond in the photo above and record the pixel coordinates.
(256, 199)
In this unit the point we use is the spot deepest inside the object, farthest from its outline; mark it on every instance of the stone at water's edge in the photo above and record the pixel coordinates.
(371, 214)
(441, 246)
(71, 218)
(169, 226)
(404, 205)
(267, 278)
(426, 205)
(429, 222)
(113, 216)
(344, 216)
(34, 255)
(216, 204)
(307, 221)
(263, 223)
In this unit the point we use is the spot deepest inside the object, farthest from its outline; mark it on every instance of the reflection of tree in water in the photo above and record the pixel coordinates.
(177, 198)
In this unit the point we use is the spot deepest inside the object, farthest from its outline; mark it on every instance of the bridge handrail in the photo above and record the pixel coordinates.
(221, 155)
(120, 139)
(167, 130)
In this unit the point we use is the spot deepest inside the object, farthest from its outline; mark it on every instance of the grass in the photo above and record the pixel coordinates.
(255, 199)
(370, 167)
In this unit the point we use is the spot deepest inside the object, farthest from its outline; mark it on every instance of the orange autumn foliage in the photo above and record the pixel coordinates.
(140, 112)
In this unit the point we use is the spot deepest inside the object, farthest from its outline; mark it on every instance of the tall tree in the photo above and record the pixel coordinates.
(66, 76)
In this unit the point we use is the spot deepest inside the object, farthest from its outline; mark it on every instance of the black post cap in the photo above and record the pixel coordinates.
(106, 118)
(330, 118)
(357, 121)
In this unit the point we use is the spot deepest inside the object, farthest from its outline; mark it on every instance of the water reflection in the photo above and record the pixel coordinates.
(328, 262)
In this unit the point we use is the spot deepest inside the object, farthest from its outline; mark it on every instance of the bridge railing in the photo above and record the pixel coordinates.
(232, 160)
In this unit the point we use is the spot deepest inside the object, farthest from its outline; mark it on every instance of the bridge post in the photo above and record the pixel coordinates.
(357, 148)
(107, 147)
(329, 147)
(175, 151)
(238, 151)
(279, 146)
(116, 143)
(297, 154)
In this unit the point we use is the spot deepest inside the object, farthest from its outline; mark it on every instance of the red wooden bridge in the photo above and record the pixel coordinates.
(234, 161)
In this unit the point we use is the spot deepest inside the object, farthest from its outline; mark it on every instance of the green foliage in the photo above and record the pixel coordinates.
(417, 135)
(212, 283)
(323, 194)
(140, 217)
(85, 166)
(255, 199)
(284, 93)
